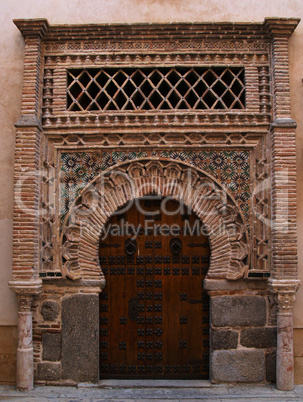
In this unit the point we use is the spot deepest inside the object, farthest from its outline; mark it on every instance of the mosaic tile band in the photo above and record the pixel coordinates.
(230, 168)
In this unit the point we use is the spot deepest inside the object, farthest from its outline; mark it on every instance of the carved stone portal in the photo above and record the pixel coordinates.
(196, 112)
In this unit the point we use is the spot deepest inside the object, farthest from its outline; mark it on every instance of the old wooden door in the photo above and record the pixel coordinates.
(154, 313)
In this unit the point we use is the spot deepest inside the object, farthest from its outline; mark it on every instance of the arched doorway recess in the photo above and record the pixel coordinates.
(154, 312)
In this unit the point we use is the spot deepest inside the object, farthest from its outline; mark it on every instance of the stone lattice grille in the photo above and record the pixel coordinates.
(161, 88)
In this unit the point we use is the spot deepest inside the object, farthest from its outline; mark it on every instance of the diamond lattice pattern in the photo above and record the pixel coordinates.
(155, 88)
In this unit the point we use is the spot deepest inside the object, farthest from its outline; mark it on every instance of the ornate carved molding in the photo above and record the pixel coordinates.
(157, 121)
(215, 207)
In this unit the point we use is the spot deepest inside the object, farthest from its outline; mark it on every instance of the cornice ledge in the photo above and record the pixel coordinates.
(158, 31)
(280, 26)
(26, 288)
(32, 27)
(29, 120)
(284, 285)
(284, 122)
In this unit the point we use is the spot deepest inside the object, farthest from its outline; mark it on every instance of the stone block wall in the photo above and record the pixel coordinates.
(243, 337)
(66, 333)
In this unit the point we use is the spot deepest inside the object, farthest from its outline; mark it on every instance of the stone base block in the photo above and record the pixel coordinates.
(259, 337)
(224, 339)
(80, 338)
(48, 371)
(51, 344)
(234, 311)
(247, 366)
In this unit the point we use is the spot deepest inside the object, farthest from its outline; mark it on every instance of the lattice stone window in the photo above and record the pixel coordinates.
(162, 88)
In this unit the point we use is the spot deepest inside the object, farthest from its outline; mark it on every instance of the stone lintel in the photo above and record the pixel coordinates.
(241, 284)
(283, 123)
(90, 284)
(281, 26)
(29, 120)
(32, 27)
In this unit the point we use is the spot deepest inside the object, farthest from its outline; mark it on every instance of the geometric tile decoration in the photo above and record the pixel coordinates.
(230, 168)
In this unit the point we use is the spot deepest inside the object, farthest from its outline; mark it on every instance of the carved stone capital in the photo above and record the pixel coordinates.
(283, 123)
(29, 120)
(25, 303)
(285, 292)
(25, 291)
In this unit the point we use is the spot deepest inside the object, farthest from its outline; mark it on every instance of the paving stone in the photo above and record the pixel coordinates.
(51, 346)
(236, 311)
(49, 310)
(48, 371)
(140, 392)
(259, 337)
(246, 366)
(224, 339)
(80, 338)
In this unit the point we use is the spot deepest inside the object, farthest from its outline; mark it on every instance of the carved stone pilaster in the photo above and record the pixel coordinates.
(25, 291)
(285, 291)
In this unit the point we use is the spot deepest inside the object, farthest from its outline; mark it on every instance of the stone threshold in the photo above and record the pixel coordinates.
(149, 384)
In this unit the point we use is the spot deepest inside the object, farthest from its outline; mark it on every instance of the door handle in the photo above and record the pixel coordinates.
(133, 309)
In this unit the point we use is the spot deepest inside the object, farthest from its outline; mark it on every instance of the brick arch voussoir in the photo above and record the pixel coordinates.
(111, 191)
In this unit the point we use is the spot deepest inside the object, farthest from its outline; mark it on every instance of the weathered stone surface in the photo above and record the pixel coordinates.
(238, 311)
(259, 337)
(48, 371)
(80, 337)
(49, 310)
(51, 344)
(224, 339)
(238, 366)
(271, 366)
(223, 284)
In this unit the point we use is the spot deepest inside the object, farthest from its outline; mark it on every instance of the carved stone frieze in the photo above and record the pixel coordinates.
(136, 48)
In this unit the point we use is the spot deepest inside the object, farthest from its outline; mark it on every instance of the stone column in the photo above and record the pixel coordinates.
(285, 291)
(25, 291)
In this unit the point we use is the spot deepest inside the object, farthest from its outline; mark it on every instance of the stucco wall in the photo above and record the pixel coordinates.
(99, 11)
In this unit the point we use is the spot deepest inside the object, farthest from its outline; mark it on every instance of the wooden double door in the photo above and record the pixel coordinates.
(154, 313)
